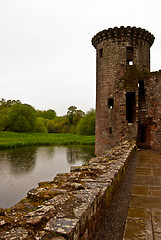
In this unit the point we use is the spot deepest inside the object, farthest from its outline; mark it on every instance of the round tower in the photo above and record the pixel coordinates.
(123, 55)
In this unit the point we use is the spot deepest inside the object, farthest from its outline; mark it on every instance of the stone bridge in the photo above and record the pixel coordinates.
(72, 205)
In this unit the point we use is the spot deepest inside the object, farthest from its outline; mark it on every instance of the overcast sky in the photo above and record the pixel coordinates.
(46, 56)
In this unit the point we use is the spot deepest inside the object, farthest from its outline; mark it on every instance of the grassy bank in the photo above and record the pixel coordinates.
(13, 140)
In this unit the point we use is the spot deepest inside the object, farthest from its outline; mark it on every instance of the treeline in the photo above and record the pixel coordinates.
(18, 117)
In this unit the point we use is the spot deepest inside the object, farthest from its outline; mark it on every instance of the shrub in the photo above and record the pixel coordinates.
(21, 118)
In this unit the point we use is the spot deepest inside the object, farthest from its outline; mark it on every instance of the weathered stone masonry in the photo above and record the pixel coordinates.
(127, 94)
(70, 206)
(128, 109)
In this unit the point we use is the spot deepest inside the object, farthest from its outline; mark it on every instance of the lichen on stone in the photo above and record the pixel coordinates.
(132, 76)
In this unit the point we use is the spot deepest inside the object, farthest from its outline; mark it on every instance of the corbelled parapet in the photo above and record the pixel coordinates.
(123, 33)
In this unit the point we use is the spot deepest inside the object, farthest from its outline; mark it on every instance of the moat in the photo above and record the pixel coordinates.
(22, 168)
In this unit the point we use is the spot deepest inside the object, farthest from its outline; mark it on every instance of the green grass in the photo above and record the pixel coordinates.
(13, 140)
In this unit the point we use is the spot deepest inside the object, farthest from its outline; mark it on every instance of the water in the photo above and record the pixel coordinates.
(22, 168)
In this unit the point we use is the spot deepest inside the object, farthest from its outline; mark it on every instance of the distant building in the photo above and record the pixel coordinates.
(128, 95)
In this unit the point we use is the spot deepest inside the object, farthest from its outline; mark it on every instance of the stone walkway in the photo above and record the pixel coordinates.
(144, 214)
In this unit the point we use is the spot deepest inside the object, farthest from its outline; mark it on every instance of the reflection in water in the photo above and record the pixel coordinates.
(20, 160)
(85, 152)
(22, 168)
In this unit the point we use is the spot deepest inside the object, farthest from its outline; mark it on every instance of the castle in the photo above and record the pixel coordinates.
(128, 104)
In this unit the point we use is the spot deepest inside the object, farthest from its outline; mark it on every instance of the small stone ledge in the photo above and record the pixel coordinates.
(70, 206)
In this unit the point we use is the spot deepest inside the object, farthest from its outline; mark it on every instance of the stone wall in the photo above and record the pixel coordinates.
(150, 114)
(120, 54)
(70, 206)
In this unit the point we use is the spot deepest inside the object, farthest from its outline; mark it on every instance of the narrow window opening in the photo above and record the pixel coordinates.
(141, 93)
(110, 103)
(110, 130)
(141, 86)
(130, 107)
(101, 52)
(130, 55)
(130, 62)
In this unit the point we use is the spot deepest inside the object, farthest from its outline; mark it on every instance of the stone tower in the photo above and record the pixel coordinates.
(123, 56)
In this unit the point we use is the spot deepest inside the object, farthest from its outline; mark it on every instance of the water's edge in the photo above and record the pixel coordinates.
(72, 204)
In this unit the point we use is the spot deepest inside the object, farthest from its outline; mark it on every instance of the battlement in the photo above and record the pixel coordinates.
(123, 34)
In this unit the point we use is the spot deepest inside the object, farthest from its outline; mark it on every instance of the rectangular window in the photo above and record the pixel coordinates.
(100, 52)
(130, 62)
(130, 107)
(110, 103)
(141, 93)
(110, 130)
(130, 55)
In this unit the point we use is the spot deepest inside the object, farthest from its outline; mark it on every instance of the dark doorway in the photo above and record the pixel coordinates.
(144, 137)
(130, 107)
(143, 134)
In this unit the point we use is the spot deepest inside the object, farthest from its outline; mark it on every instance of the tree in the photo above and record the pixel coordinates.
(74, 117)
(58, 125)
(8, 103)
(77, 117)
(86, 126)
(3, 115)
(21, 118)
(2, 103)
(41, 125)
(51, 126)
(47, 114)
(71, 113)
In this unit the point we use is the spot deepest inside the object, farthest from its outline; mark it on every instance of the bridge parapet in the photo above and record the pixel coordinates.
(70, 206)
